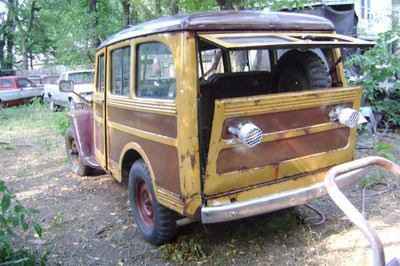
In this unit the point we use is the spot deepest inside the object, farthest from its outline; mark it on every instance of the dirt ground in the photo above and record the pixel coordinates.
(87, 221)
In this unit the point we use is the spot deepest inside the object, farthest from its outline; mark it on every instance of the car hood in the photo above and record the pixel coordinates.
(79, 88)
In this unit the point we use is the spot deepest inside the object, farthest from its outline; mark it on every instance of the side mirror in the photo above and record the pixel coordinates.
(66, 86)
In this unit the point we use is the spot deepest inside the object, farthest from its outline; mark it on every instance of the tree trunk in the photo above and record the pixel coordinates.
(2, 46)
(126, 13)
(174, 9)
(225, 4)
(158, 8)
(10, 30)
(95, 22)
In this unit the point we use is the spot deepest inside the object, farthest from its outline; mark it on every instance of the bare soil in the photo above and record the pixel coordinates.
(87, 221)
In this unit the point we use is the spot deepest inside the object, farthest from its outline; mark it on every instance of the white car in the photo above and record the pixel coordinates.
(83, 88)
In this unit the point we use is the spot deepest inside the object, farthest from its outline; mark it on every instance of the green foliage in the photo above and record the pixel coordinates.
(14, 215)
(378, 67)
(14, 218)
(288, 4)
(62, 122)
(386, 151)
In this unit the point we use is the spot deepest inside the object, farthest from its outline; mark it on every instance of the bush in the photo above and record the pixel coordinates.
(380, 73)
(14, 217)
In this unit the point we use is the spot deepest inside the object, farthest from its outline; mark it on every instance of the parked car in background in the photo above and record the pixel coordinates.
(83, 88)
(16, 90)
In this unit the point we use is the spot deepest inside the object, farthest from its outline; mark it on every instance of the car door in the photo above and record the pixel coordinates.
(99, 98)
(27, 88)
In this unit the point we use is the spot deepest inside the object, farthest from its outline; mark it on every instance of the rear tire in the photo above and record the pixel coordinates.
(298, 71)
(75, 158)
(156, 223)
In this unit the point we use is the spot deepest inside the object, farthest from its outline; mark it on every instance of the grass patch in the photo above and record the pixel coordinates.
(6, 146)
(33, 117)
(23, 171)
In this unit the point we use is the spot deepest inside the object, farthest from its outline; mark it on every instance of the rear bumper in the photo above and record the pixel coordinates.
(291, 198)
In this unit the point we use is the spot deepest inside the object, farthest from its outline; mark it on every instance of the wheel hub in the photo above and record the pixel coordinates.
(144, 201)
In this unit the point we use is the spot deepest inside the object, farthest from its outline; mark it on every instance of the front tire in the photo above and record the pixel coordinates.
(52, 106)
(156, 223)
(75, 158)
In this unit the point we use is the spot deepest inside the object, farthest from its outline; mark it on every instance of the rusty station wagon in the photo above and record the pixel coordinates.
(218, 116)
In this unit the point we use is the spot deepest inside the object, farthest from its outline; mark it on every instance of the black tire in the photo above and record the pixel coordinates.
(298, 71)
(156, 223)
(75, 159)
(52, 106)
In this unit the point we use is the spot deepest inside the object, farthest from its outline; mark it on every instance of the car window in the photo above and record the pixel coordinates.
(155, 71)
(24, 83)
(211, 62)
(100, 74)
(250, 60)
(81, 77)
(120, 71)
(6, 83)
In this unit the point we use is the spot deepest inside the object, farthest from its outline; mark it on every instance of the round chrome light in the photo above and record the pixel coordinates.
(346, 116)
(248, 134)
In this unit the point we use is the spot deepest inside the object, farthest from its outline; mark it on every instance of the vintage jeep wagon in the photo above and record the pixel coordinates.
(218, 116)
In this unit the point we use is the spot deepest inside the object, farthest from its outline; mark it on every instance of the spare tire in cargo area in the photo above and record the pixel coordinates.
(298, 71)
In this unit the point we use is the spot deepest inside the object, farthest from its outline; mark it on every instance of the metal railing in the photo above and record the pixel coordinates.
(347, 207)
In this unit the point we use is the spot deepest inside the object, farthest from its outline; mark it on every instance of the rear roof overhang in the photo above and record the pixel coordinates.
(282, 40)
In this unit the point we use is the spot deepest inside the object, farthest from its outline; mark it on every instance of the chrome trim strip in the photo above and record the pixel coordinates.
(291, 198)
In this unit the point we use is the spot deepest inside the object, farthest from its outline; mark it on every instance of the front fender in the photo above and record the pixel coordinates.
(82, 121)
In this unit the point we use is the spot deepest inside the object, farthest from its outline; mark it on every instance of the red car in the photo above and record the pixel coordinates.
(15, 90)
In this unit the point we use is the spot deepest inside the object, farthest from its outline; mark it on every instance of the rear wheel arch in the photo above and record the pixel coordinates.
(129, 155)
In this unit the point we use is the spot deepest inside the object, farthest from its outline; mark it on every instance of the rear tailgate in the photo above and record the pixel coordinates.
(298, 138)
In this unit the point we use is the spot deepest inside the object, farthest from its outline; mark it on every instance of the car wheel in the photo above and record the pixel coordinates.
(156, 223)
(52, 106)
(298, 71)
(71, 105)
(74, 156)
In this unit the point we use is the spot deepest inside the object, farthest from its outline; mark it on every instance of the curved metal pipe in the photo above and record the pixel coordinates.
(347, 207)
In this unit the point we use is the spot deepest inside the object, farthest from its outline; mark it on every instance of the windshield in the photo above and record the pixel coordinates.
(81, 77)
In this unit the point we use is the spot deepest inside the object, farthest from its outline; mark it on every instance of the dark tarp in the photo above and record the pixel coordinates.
(345, 20)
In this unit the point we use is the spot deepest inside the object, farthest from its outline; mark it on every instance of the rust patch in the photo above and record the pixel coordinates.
(192, 160)
(274, 122)
(164, 159)
(155, 123)
(275, 152)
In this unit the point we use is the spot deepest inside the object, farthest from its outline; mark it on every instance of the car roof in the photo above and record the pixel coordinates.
(78, 71)
(14, 77)
(225, 21)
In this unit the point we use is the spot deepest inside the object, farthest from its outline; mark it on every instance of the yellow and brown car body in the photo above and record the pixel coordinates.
(198, 170)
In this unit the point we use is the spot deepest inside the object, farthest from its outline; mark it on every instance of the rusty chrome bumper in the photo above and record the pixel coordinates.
(282, 200)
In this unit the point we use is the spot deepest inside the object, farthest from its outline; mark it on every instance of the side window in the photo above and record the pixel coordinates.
(23, 83)
(100, 74)
(63, 77)
(155, 71)
(120, 71)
